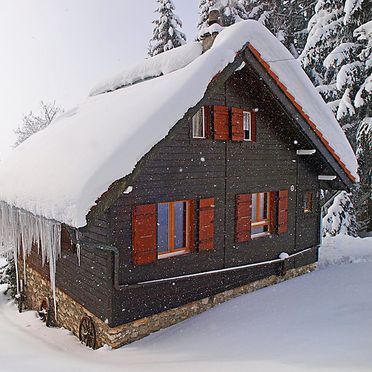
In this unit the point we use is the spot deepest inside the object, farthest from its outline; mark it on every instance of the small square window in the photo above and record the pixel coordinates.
(247, 125)
(198, 124)
(308, 202)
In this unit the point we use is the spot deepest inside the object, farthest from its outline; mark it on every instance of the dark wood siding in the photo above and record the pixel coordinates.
(89, 283)
(194, 169)
(183, 168)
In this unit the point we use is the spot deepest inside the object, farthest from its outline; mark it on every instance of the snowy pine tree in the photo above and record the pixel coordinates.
(325, 34)
(287, 19)
(363, 197)
(337, 57)
(8, 276)
(340, 218)
(34, 123)
(231, 11)
(205, 7)
(166, 34)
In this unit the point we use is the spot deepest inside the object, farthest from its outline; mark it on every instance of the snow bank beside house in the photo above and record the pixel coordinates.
(60, 172)
(344, 249)
(319, 322)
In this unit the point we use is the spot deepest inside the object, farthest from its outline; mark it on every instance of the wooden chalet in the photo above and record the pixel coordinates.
(229, 196)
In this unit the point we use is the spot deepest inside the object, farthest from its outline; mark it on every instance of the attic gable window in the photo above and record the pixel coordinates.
(247, 125)
(198, 124)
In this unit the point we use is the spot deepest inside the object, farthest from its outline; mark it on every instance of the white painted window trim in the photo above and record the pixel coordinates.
(260, 235)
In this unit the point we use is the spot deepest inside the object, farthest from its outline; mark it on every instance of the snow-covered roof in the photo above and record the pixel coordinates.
(60, 172)
(158, 65)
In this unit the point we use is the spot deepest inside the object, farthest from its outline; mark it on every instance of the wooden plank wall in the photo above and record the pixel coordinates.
(89, 283)
(186, 168)
(178, 173)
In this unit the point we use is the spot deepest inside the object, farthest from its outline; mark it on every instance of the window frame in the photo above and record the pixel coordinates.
(202, 109)
(249, 115)
(308, 202)
(171, 223)
(263, 222)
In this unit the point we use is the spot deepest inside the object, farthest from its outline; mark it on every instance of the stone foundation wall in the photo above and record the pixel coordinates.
(70, 313)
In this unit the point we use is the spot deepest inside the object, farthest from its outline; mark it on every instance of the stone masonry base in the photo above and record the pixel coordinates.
(70, 313)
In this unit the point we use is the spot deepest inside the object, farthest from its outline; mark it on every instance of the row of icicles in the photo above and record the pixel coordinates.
(21, 230)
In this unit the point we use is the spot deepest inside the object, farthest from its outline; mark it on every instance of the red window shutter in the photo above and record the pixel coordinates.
(243, 217)
(283, 212)
(237, 125)
(221, 123)
(206, 224)
(272, 208)
(207, 121)
(191, 226)
(254, 126)
(144, 234)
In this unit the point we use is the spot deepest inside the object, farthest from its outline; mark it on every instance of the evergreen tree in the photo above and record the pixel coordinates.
(325, 34)
(337, 57)
(204, 8)
(294, 18)
(231, 11)
(340, 218)
(363, 197)
(287, 19)
(166, 34)
(8, 276)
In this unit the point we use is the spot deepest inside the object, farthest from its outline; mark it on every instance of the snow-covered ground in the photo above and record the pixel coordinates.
(318, 322)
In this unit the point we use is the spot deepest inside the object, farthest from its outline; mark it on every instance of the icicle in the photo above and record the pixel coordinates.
(20, 230)
(15, 255)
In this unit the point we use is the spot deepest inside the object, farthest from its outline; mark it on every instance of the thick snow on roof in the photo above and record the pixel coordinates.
(60, 172)
(158, 65)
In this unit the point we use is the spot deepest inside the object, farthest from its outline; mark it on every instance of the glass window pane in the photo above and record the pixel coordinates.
(262, 207)
(254, 207)
(163, 221)
(247, 125)
(257, 230)
(198, 125)
(179, 225)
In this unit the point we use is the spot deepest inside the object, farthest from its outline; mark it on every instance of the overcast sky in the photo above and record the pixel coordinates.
(59, 49)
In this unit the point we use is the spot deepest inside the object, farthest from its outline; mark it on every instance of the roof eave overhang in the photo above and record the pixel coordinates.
(253, 58)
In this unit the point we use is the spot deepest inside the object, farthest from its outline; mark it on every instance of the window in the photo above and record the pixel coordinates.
(198, 124)
(173, 225)
(260, 214)
(308, 202)
(247, 125)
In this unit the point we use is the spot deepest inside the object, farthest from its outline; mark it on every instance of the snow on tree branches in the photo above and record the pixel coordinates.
(337, 57)
(340, 217)
(34, 123)
(231, 11)
(287, 20)
(166, 34)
